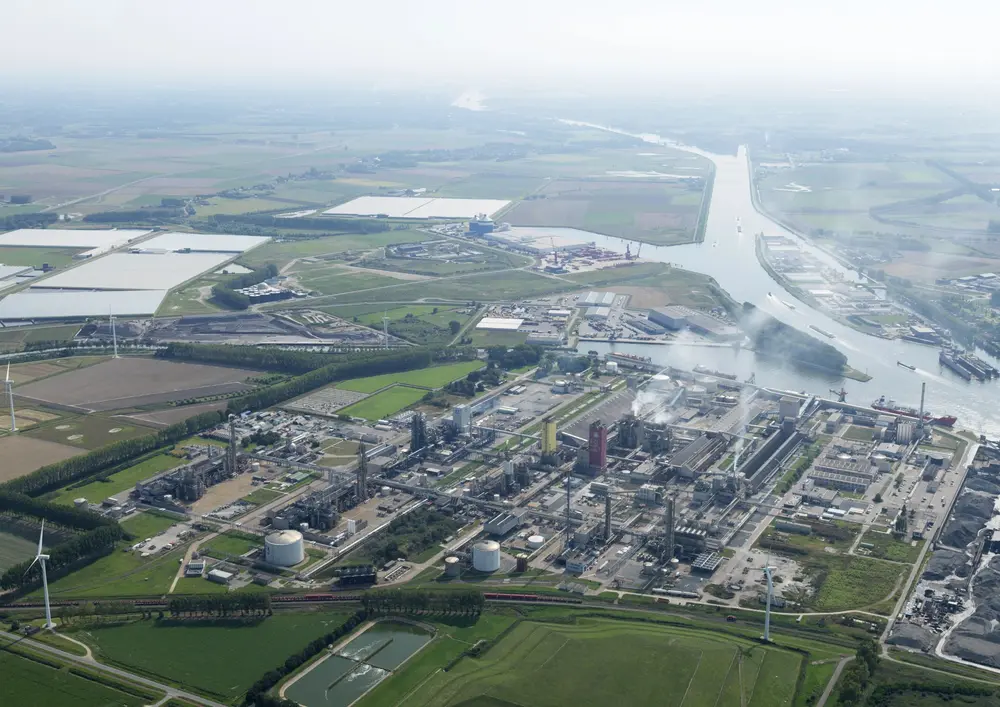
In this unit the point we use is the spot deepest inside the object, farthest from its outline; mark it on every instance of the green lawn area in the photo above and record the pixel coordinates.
(188, 300)
(147, 524)
(384, 404)
(230, 544)
(97, 491)
(888, 547)
(280, 253)
(858, 434)
(333, 280)
(485, 338)
(119, 574)
(220, 658)
(14, 339)
(599, 662)
(29, 682)
(262, 496)
(434, 377)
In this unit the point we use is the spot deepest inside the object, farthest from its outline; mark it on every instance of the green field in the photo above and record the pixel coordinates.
(29, 682)
(123, 481)
(20, 255)
(858, 434)
(230, 544)
(312, 247)
(14, 339)
(15, 549)
(334, 280)
(386, 403)
(262, 496)
(220, 658)
(147, 524)
(887, 547)
(486, 338)
(599, 662)
(87, 431)
(851, 582)
(119, 574)
(434, 377)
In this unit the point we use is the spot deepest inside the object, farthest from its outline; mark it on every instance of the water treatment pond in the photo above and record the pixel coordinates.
(357, 667)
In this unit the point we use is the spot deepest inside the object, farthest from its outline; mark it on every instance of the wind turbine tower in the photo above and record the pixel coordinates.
(114, 335)
(767, 569)
(41, 558)
(385, 332)
(8, 386)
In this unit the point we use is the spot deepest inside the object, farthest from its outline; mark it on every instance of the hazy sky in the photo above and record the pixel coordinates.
(479, 44)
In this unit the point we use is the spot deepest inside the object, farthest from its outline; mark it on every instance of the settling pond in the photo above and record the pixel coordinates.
(342, 678)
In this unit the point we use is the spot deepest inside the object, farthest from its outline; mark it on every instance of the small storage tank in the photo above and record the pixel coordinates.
(522, 563)
(384, 491)
(452, 566)
(486, 556)
(80, 502)
(284, 548)
(536, 541)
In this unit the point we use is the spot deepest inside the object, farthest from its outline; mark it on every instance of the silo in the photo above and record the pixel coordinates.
(486, 556)
(452, 566)
(522, 562)
(284, 548)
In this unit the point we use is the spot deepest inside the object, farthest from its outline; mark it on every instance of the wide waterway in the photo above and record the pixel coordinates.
(728, 256)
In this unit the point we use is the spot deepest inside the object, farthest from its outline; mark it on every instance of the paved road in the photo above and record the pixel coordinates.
(833, 681)
(124, 675)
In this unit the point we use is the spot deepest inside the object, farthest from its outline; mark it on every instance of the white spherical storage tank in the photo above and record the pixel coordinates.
(486, 556)
(284, 548)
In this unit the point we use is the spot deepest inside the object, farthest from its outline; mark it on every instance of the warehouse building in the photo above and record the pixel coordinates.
(676, 318)
(596, 299)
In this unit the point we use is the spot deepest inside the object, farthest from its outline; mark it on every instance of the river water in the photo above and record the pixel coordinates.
(729, 257)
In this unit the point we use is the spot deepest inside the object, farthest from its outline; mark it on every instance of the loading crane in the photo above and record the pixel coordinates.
(841, 394)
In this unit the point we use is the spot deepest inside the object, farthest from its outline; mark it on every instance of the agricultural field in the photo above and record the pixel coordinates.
(133, 381)
(22, 455)
(22, 373)
(15, 549)
(31, 682)
(334, 279)
(86, 431)
(434, 377)
(120, 574)
(602, 662)
(122, 481)
(281, 254)
(512, 285)
(26, 255)
(653, 211)
(386, 403)
(200, 655)
(15, 339)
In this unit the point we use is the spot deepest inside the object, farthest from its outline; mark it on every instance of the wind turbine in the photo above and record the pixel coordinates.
(767, 569)
(385, 329)
(8, 386)
(41, 558)
(114, 334)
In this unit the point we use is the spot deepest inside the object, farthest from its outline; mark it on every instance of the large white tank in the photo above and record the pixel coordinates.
(660, 382)
(709, 384)
(284, 548)
(486, 556)
(536, 541)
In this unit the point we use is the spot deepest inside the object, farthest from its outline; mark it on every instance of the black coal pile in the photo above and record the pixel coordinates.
(971, 512)
(984, 485)
(944, 563)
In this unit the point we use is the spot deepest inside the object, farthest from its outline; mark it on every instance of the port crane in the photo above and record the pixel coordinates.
(841, 394)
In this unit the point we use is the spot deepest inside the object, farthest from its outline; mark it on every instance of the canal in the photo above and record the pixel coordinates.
(728, 255)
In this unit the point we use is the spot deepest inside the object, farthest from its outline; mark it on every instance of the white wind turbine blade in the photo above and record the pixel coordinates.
(8, 372)
(40, 534)
(31, 565)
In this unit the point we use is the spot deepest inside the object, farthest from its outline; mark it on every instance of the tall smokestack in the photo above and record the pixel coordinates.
(923, 391)
(607, 516)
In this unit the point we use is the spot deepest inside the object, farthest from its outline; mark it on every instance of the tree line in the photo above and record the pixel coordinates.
(69, 516)
(92, 544)
(325, 224)
(153, 213)
(98, 460)
(858, 674)
(225, 292)
(261, 358)
(387, 602)
(256, 694)
(246, 603)
(40, 220)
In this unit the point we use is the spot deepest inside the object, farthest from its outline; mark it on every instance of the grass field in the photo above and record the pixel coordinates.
(97, 491)
(510, 285)
(206, 655)
(229, 544)
(15, 339)
(14, 549)
(386, 403)
(334, 280)
(87, 431)
(119, 574)
(28, 682)
(858, 434)
(262, 496)
(24, 255)
(601, 662)
(887, 547)
(434, 377)
(850, 582)
(284, 252)
(485, 338)
(147, 524)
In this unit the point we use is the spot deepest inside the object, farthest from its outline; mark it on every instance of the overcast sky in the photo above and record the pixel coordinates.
(480, 44)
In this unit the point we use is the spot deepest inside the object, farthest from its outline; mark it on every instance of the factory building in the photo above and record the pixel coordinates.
(841, 482)
(461, 415)
(503, 523)
(358, 575)
(597, 312)
(596, 299)
(598, 447)
(549, 443)
(788, 407)
(546, 338)
(676, 318)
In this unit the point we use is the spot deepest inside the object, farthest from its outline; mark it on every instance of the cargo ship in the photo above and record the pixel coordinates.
(883, 404)
(822, 331)
(627, 357)
(967, 365)
(709, 372)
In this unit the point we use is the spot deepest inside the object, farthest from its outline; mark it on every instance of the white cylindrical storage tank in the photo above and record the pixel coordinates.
(284, 548)
(80, 502)
(660, 382)
(452, 566)
(384, 490)
(486, 556)
(709, 384)
(612, 367)
(536, 541)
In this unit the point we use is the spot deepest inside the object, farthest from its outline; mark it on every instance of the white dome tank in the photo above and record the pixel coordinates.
(660, 382)
(452, 567)
(709, 384)
(536, 541)
(284, 548)
(486, 556)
